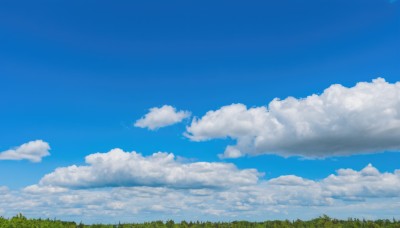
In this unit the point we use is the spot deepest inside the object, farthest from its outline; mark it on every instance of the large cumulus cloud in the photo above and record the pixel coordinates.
(340, 121)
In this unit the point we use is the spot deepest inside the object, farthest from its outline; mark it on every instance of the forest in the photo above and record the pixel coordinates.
(20, 221)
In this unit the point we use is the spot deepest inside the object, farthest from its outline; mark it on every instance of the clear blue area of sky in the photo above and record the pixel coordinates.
(77, 74)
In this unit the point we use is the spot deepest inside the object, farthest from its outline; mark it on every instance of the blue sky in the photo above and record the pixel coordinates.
(78, 75)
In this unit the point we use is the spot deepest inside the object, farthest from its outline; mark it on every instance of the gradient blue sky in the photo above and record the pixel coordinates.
(78, 74)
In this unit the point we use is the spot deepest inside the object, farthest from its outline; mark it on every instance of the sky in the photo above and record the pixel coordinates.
(208, 110)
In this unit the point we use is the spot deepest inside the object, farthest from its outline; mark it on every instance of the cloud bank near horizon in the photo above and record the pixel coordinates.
(346, 193)
(33, 151)
(118, 169)
(339, 122)
(161, 117)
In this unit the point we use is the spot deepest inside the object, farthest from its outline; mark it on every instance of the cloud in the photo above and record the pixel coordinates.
(341, 121)
(161, 117)
(33, 151)
(349, 184)
(346, 184)
(119, 168)
(366, 193)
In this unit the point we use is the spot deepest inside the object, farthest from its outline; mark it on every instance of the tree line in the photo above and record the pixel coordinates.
(20, 221)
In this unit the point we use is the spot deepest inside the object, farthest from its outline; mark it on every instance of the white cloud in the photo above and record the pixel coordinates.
(3, 189)
(347, 184)
(341, 121)
(119, 168)
(366, 193)
(33, 151)
(36, 189)
(161, 117)
(359, 185)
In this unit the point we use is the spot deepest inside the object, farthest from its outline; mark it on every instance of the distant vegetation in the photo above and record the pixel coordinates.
(20, 221)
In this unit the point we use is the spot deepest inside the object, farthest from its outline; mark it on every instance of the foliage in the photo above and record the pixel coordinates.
(19, 221)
